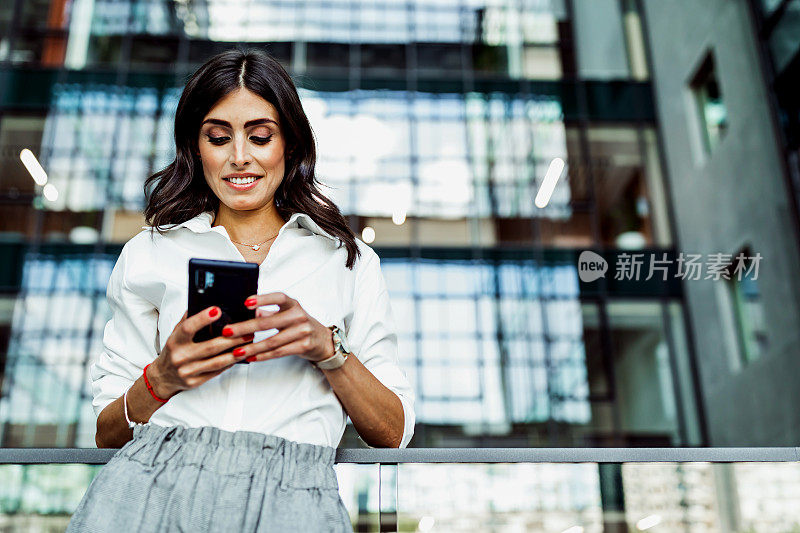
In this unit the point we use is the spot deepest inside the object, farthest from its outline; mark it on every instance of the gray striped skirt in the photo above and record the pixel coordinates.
(208, 479)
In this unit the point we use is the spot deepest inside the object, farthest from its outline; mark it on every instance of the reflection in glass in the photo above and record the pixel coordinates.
(463, 377)
(697, 496)
(643, 374)
(758, 497)
(57, 329)
(41, 496)
(622, 186)
(359, 489)
(337, 21)
(448, 342)
(499, 497)
(381, 153)
(100, 143)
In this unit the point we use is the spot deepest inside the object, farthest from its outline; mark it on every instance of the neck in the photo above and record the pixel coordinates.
(251, 226)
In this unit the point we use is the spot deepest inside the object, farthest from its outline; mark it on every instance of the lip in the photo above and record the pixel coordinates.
(241, 187)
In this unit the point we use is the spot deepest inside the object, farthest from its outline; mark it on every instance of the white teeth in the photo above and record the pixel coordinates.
(242, 181)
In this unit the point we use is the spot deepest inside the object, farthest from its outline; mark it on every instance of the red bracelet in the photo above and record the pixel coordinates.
(150, 387)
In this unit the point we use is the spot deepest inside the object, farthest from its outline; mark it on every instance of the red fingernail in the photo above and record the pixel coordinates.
(227, 331)
(251, 359)
(248, 338)
(238, 352)
(250, 301)
(213, 312)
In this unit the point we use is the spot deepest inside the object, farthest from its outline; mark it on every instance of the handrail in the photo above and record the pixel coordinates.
(93, 456)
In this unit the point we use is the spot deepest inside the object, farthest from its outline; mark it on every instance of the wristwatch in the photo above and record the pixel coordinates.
(340, 351)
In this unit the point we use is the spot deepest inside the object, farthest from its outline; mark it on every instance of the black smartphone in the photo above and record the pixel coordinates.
(226, 284)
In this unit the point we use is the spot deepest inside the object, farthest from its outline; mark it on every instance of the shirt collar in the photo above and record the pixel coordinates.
(202, 224)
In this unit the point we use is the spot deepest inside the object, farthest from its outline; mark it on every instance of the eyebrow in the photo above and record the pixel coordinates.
(247, 124)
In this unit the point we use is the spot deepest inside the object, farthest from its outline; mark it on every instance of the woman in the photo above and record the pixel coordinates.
(208, 444)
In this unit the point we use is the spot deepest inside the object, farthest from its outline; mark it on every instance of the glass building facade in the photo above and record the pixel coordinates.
(436, 123)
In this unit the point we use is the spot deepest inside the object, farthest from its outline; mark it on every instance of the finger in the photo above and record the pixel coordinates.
(274, 298)
(204, 366)
(295, 333)
(293, 348)
(191, 325)
(213, 373)
(275, 320)
(219, 344)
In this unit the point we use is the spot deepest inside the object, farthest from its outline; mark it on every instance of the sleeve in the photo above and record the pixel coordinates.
(372, 337)
(129, 339)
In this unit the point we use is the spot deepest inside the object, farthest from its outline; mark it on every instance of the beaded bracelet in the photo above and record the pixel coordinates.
(150, 387)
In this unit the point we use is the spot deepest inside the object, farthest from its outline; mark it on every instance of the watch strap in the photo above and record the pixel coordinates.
(332, 363)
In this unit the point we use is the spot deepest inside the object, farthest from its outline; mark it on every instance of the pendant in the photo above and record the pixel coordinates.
(256, 247)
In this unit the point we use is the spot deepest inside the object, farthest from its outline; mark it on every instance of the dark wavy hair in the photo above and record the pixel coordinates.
(179, 191)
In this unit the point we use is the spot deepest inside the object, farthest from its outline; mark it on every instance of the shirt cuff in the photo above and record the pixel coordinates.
(408, 422)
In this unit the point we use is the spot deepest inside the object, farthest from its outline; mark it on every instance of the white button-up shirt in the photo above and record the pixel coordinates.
(287, 397)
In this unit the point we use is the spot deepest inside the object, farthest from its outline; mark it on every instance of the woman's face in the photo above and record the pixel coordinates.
(241, 134)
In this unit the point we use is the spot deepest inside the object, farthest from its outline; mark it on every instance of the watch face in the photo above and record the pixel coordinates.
(338, 338)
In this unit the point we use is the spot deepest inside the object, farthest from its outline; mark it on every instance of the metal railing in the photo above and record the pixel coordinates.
(95, 456)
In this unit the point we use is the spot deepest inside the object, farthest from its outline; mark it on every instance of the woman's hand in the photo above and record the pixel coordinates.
(298, 332)
(377, 412)
(185, 364)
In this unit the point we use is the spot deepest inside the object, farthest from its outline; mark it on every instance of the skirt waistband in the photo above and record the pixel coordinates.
(239, 453)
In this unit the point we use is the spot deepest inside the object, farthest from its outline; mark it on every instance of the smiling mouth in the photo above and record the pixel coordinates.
(243, 181)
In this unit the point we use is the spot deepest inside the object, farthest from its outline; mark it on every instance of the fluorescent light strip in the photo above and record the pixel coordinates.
(34, 168)
(648, 522)
(549, 183)
(50, 192)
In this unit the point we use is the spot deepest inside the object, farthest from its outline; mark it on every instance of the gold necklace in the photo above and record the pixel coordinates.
(255, 247)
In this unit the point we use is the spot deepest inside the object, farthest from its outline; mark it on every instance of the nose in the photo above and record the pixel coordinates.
(241, 153)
